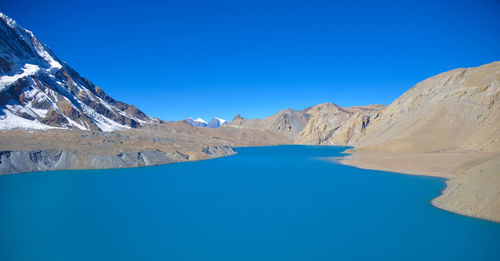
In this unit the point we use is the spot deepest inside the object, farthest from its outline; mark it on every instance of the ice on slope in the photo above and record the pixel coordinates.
(11, 121)
(27, 70)
(201, 120)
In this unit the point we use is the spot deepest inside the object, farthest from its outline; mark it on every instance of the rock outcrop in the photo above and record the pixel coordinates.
(327, 123)
(330, 124)
(218, 150)
(286, 122)
(43, 160)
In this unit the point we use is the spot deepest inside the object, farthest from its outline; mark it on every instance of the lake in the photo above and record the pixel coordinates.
(265, 203)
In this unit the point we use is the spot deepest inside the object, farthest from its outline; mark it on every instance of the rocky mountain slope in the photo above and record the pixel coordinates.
(217, 122)
(287, 122)
(196, 123)
(331, 124)
(454, 111)
(449, 126)
(458, 110)
(39, 91)
(78, 126)
(326, 123)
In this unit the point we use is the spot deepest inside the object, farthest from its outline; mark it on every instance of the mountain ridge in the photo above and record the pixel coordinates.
(40, 91)
(458, 110)
(326, 123)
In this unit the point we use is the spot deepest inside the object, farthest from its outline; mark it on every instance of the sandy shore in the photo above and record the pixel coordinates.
(473, 185)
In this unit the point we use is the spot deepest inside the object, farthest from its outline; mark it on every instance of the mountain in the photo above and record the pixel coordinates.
(39, 91)
(216, 122)
(447, 125)
(326, 123)
(213, 123)
(458, 110)
(331, 124)
(287, 122)
(196, 123)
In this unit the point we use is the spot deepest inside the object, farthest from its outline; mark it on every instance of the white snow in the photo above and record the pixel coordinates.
(11, 121)
(43, 53)
(53, 94)
(216, 122)
(74, 123)
(28, 69)
(201, 120)
(221, 121)
(9, 20)
(108, 125)
(104, 123)
(40, 112)
(30, 38)
(19, 109)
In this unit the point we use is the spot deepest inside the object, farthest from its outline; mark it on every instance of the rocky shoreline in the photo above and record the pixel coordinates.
(12, 162)
(28, 151)
(472, 186)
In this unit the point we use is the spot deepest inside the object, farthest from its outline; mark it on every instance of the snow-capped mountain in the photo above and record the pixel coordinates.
(39, 91)
(216, 122)
(196, 123)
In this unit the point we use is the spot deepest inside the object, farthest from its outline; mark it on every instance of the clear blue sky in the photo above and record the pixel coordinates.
(219, 58)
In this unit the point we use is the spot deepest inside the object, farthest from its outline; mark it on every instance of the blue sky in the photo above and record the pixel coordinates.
(176, 59)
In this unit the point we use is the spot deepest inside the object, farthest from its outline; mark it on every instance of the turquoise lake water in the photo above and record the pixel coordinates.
(266, 203)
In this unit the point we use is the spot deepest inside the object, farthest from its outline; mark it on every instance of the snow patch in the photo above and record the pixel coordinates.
(200, 120)
(222, 121)
(74, 123)
(12, 121)
(28, 69)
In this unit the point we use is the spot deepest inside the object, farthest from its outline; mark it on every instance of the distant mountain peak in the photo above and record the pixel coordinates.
(213, 123)
(199, 122)
(39, 91)
(238, 117)
(323, 108)
(216, 122)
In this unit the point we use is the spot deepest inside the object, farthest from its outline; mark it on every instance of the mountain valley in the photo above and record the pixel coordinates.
(448, 125)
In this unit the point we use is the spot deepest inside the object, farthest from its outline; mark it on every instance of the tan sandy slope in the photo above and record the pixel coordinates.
(449, 126)
(457, 110)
